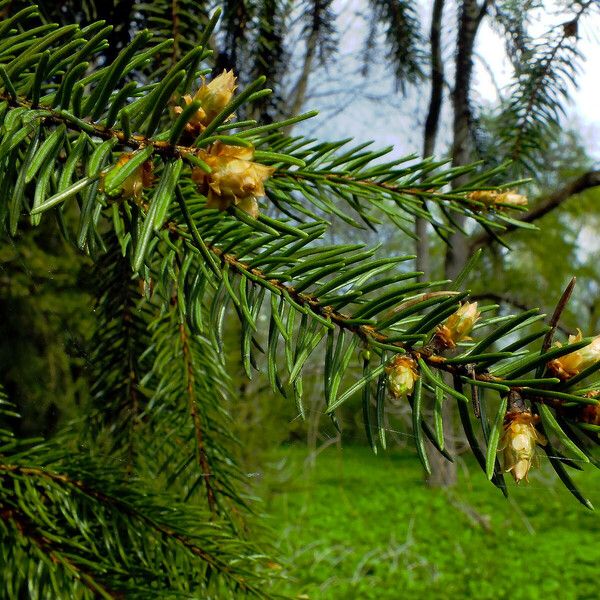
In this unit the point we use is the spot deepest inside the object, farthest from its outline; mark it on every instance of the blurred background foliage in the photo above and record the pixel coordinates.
(47, 318)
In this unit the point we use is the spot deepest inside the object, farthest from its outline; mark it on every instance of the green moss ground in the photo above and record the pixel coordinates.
(360, 526)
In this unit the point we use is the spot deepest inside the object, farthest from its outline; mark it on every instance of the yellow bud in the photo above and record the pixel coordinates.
(513, 199)
(234, 179)
(518, 443)
(458, 326)
(217, 94)
(590, 354)
(590, 413)
(493, 199)
(213, 98)
(402, 375)
(135, 184)
(572, 364)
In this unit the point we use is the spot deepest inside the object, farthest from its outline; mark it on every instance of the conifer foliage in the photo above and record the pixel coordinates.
(544, 71)
(193, 216)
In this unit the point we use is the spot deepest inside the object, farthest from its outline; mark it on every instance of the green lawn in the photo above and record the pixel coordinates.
(363, 526)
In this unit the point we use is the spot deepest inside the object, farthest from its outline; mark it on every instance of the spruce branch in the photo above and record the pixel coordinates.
(403, 35)
(545, 205)
(410, 197)
(187, 430)
(370, 334)
(115, 537)
(119, 343)
(58, 555)
(156, 520)
(195, 249)
(502, 371)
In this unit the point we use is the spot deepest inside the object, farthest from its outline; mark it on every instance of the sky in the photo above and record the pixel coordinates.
(583, 112)
(371, 108)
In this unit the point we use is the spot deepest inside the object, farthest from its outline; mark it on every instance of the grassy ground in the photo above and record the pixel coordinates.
(359, 527)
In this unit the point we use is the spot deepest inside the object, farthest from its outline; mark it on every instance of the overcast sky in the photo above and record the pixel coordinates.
(372, 109)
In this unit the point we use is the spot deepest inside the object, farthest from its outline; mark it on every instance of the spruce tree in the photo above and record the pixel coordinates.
(192, 213)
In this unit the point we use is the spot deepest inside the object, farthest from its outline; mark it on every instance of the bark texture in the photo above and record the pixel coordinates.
(423, 262)
(469, 20)
(443, 472)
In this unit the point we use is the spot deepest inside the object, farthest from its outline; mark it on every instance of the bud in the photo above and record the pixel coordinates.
(402, 374)
(590, 413)
(494, 199)
(214, 97)
(135, 184)
(572, 364)
(518, 443)
(458, 326)
(234, 178)
(512, 199)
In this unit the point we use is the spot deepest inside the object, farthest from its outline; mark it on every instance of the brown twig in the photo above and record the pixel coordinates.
(201, 457)
(560, 307)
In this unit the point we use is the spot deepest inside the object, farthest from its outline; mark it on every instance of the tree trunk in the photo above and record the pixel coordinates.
(298, 93)
(443, 472)
(431, 128)
(470, 18)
